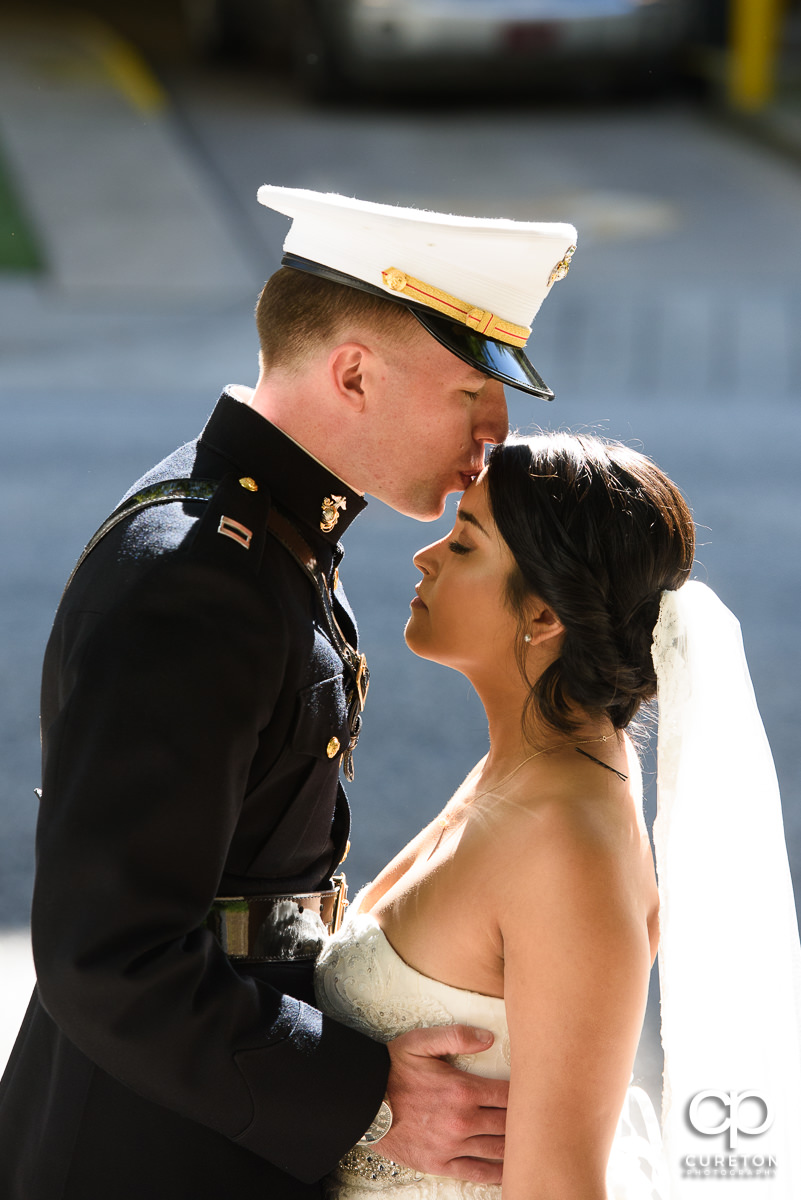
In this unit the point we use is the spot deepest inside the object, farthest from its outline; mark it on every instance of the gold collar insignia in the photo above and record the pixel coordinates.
(331, 509)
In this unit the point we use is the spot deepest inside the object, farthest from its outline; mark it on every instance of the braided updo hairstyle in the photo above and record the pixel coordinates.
(597, 532)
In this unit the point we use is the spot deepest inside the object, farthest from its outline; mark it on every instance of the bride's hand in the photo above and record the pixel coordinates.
(444, 1121)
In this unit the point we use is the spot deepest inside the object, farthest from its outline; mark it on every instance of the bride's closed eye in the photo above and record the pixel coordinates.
(458, 548)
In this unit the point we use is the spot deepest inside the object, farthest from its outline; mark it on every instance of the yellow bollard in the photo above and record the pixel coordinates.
(753, 44)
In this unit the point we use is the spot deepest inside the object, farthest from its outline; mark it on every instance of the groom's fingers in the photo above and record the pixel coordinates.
(474, 1170)
(449, 1041)
(491, 1122)
(490, 1095)
(485, 1147)
(446, 1121)
(441, 1040)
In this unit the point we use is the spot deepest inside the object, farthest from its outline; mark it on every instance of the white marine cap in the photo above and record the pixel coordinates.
(475, 283)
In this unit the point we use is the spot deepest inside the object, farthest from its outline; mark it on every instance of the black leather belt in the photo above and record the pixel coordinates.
(284, 928)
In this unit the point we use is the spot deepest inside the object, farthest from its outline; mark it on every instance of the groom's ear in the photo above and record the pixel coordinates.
(349, 369)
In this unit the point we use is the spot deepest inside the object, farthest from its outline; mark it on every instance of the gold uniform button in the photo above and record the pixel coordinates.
(332, 749)
(395, 279)
(248, 484)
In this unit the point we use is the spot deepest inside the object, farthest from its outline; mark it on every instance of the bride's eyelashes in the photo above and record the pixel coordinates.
(458, 548)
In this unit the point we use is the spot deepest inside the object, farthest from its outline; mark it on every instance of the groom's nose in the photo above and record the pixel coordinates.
(491, 424)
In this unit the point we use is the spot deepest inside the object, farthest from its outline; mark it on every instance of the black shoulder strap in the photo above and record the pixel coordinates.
(291, 539)
(157, 493)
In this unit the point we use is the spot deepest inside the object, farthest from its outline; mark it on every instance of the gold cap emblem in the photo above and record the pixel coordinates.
(562, 267)
(248, 484)
(331, 509)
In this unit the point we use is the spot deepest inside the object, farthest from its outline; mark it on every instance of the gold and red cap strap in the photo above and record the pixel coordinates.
(478, 319)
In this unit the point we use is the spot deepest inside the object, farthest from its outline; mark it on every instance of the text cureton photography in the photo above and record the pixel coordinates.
(718, 1166)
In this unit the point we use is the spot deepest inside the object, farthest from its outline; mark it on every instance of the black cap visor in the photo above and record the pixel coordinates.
(506, 363)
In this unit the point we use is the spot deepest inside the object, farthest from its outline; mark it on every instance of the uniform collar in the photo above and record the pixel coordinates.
(299, 483)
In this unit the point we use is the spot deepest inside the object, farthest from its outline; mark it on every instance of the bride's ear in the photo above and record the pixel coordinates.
(542, 623)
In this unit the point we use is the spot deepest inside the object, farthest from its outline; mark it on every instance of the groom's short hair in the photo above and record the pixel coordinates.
(297, 311)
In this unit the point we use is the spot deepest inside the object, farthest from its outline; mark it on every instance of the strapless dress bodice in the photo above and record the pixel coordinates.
(363, 982)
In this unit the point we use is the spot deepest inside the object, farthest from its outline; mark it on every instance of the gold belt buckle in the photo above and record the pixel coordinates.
(340, 901)
(362, 680)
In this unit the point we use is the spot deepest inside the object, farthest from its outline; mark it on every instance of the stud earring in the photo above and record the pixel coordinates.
(526, 637)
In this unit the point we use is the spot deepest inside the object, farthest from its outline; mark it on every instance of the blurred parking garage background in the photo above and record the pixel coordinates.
(132, 141)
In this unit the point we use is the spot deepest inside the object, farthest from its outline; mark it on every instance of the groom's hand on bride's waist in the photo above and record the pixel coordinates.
(445, 1121)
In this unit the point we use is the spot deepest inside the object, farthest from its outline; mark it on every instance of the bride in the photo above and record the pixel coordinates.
(529, 907)
(530, 904)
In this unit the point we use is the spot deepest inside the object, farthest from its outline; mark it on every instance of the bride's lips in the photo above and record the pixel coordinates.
(417, 602)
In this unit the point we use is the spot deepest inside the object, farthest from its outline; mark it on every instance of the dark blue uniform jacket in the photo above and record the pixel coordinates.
(190, 694)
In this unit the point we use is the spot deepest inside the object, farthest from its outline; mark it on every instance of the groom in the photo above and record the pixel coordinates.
(201, 691)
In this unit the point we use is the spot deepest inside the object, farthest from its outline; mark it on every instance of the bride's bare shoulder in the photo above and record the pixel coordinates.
(570, 828)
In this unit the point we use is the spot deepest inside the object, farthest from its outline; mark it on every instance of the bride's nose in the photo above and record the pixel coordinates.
(426, 559)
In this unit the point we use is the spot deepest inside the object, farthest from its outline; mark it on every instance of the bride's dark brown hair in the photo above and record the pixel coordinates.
(598, 532)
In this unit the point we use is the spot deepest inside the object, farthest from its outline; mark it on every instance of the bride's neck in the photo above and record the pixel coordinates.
(512, 740)
(507, 740)
(504, 693)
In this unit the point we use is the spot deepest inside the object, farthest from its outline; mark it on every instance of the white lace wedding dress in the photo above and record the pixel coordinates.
(362, 982)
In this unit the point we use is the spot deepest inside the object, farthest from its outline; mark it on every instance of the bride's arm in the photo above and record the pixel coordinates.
(576, 967)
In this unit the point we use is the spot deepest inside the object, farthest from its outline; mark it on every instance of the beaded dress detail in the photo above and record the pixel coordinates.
(363, 982)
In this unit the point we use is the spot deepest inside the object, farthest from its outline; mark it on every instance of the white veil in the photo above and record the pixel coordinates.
(729, 956)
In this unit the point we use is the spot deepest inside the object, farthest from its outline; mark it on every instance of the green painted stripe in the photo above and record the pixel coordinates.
(19, 249)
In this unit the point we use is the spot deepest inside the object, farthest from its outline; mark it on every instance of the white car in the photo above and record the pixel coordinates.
(407, 44)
